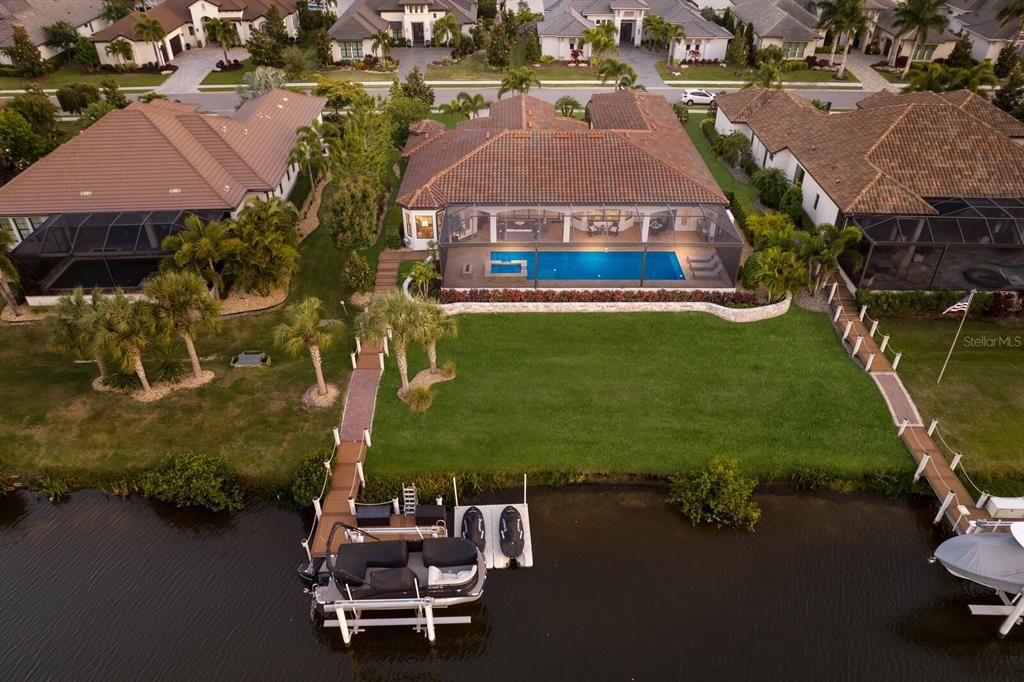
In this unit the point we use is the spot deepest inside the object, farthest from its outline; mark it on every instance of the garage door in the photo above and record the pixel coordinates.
(175, 46)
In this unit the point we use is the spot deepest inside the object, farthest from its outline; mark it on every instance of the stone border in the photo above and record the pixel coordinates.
(765, 312)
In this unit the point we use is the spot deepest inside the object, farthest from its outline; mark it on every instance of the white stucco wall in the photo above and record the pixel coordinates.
(560, 47)
(724, 126)
(710, 48)
(410, 232)
(826, 210)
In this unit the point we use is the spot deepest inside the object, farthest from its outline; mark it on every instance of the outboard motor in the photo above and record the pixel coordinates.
(307, 574)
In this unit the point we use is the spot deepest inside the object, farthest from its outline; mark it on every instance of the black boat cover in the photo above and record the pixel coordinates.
(393, 580)
(445, 552)
(355, 558)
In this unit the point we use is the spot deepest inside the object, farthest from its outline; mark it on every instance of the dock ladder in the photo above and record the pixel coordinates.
(409, 499)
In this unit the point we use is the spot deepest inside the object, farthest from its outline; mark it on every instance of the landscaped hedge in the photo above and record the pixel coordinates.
(730, 299)
(992, 304)
(707, 126)
(740, 214)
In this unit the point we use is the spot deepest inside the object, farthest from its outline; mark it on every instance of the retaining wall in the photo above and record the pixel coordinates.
(757, 314)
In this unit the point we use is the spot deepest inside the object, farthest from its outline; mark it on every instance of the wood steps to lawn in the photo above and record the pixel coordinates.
(389, 264)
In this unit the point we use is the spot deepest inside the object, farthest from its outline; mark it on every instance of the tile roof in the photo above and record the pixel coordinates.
(34, 15)
(165, 155)
(569, 23)
(967, 101)
(981, 19)
(887, 22)
(568, 18)
(174, 13)
(361, 18)
(893, 153)
(777, 19)
(523, 153)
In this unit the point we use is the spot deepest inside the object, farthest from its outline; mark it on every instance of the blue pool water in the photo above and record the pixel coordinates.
(592, 265)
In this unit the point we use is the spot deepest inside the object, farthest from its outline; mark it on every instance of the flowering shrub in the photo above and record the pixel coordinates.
(731, 299)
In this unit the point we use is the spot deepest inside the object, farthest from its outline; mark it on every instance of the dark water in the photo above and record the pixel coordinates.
(829, 588)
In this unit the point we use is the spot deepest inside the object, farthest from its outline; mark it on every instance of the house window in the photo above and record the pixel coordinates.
(23, 227)
(923, 53)
(817, 198)
(191, 30)
(793, 50)
(352, 49)
(424, 227)
(798, 177)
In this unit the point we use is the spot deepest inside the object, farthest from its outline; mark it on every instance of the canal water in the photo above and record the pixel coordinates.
(828, 588)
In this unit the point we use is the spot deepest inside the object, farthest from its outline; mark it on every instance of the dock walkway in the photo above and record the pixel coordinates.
(859, 342)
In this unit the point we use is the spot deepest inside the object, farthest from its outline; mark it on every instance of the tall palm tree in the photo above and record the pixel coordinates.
(518, 80)
(829, 12)
(620, 73)
(73, 327)
(673, 33)
(381, 42)
(768, 74)
(123, 330)
(120, 49)
(223, 31)
(436, 324)
(918, 17)
(973, 77)
(182, 307)
(472, 104)
(601, 39)
(267, 240)
(7, 271)
(401, 317)
(202, 248)
(302, 330)
(825, 249)
(149, 29)
(780, 272)
(851, 21)
(447, 30)
(309, 147)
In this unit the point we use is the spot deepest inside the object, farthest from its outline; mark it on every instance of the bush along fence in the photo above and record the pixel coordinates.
(933, 303)
(729, 299)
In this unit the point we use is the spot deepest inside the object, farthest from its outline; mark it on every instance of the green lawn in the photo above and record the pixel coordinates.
(980, 402)
(709, 74)
(474, 67)
(648, 393)
(745, 194)
(357, 75)
(74, 74)
(236, 77)
(895, 77)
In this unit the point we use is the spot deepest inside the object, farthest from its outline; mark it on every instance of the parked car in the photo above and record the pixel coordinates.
(696, 96)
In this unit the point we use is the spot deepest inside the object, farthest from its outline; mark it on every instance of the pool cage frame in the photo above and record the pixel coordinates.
(969, 243)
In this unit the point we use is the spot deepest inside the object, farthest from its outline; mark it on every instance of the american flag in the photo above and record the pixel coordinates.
(960, 306)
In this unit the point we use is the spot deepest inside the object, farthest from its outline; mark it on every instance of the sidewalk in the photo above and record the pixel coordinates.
(859, 64)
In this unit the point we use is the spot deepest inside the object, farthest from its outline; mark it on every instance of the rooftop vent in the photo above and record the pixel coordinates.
(174, 190)
(85, 193)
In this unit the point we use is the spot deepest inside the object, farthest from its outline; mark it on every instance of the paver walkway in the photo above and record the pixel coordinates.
(859, 64)
(193, 67)
(643, 62)
(940, 476)
(417, 56)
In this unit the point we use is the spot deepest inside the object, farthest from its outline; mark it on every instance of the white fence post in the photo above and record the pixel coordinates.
(380, 356)
(885, 342)
(856, 344)
(353, 358)
(921, 466)
(896, 360)
(945, 505)
(309, 554)
(839, 311)
(867, 365)
(366, 437)
(352, 506)
(832, 291)
(846, 331)
(317, 508)
(982, 501)
(394, 505)
(931, 427)
(387, 351)
(359, 345)
(903, 426)
(359, 472)
(874, 328)
(863, 312)
(336, 432)
(955, 462)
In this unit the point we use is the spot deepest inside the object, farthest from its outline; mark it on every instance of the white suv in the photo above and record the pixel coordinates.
(696, 96)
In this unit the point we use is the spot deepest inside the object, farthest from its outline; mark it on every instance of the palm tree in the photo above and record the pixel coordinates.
(1014, 10)
(472, 104)
(453, 108)
(620, 73)
(852, 22)
(73, 327)
(567, 105)
(302, 330)
(825, 249)
(398, 318)
(768, 75)
(201, 247)
(447, 30)
(381, 42)
(121, 49)
(780, 272)
(919, 17)
(267, 241)
(973, 78)
(183, 307)
(223, 31)
(309, 147)
(671, 34)
(123, 329)
(7, 271)
(436, 324)
(518, 80)
(829, 12)
(601, 39)
(149, 29)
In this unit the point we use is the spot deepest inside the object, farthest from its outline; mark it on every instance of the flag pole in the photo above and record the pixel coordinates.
(970, 299)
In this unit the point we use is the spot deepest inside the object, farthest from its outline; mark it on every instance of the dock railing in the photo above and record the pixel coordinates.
(318, 500)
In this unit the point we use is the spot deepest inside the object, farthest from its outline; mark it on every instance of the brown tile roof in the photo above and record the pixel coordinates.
(965, 100)
(542, 159)
(171, 14)
(893, 154)
(165, 155)
(35, 15)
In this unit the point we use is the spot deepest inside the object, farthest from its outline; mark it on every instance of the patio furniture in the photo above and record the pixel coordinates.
(374, 515)
(251, 358)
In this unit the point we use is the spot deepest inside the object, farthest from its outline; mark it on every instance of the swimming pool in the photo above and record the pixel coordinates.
(590, 265)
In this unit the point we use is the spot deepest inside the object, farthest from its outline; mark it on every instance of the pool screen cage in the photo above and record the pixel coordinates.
(970, 243)
(704, 233)
(91, 250)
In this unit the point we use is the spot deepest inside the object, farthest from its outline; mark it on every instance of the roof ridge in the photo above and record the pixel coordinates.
(489, 140)
(147, 115)
(664, 163)
(206, 120)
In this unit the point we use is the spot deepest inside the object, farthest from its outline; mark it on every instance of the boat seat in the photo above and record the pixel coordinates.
(436, 577)
(446, 552)
(393, 580)
(355, 558)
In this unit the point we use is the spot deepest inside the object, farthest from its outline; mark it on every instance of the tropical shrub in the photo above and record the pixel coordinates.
(770, 184)
(731, 299)
(194, 480)
(780, 271)
(419, 399)
(733, 148)
(749, 270)
(934, 302)
(358, 275)
(772, 53)
(771, 229)
(792, 204)
(707, 126)
(168, 363)
(1007, 59)
(75, 97)
(718, 494)
(308, 482)
(682, 112)
(352, 215)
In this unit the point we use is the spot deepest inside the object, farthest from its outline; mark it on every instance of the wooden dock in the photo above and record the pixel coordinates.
(931, 463)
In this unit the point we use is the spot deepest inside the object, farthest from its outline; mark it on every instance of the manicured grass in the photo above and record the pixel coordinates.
(74, 74)
(745, 194)
(648, 393)
(449, 120)
(356, 75)
(709, 74)
(474, 67)
(236, 77)
(980, 402)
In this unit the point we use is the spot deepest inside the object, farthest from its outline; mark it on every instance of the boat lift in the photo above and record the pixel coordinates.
(493, 555)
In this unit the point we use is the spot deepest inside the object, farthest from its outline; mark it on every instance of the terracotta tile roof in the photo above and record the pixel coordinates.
(171, 14)
(965, 100)
(35, 15)
(484, 162)
(888, 158)
(165, 155)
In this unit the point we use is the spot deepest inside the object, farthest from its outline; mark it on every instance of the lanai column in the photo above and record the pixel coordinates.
(494, 229)
(645, 228)
(566, 227)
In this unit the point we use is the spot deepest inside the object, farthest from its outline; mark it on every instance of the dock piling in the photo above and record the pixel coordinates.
(950, 496)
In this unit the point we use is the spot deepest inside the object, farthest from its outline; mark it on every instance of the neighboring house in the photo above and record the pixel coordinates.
(35, 15)
(523, 197)
(183, 22)
(561, 31)
(937, 45)
(978, 19)
(409, 21)
(781, 23)
(935, 182)
(95, 211)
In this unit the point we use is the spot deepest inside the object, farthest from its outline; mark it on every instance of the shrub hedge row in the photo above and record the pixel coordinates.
(991, 304)
(730, 299)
